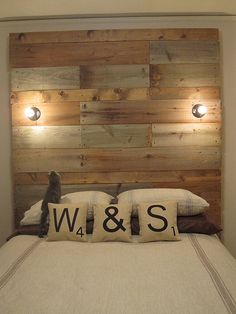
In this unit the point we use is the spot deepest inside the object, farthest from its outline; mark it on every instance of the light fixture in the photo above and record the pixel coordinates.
(33, 113)
(199, 110)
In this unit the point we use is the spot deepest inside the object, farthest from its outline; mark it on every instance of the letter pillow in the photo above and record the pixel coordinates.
(67, 222)
(158, 221)
(112, 223)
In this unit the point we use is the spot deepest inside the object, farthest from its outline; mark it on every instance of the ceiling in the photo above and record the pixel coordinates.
(24, 9)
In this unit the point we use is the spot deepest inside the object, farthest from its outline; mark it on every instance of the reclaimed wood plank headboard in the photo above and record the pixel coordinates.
(116, 108)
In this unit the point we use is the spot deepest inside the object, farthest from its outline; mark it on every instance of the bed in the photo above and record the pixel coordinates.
(195, 275)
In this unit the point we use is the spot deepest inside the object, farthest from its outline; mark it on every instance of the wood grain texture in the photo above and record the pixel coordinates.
(186, 134)
(184, 75)
(67, 113)
(164, 52)
(128, 159)
(46, 137)
(162, 177)
(118, 76)
(129, 135)
(74, 54)
(114, 35)
(166, 111)
(164, 93)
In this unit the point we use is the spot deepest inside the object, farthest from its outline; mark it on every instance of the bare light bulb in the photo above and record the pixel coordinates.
(199, 110)
(32, 113)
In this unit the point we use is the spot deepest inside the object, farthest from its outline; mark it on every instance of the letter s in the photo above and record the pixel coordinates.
(149, 211)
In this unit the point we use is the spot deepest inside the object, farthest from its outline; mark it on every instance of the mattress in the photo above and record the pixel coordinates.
(195, 275)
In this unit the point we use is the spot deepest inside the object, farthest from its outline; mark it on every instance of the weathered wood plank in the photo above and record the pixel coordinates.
(120, 76)
(115, 35)
(45, 78)
(184, 75)
(199, 93)
(128, 159)
(74, 54)
(128, 135)
(161, 177)
(164, 52)
(125, 112)
(184, 134)
(46, 137)
(155, 93)
(67, 113)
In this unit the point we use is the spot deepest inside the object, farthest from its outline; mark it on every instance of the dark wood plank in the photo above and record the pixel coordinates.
(74, 54)
(46, 137)
(23, 79)
(67, 113)
(184, 75)
(131, 159)
(114, 35)
(161, 177)
(164, 52)
(160, 111)
(119, 76)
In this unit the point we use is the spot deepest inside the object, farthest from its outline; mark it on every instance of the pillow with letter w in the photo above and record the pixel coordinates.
(67, 222)
(158, 221)
(112, 223)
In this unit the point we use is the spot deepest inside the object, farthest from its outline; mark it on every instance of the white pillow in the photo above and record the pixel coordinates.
(91, 198)
(189, 204)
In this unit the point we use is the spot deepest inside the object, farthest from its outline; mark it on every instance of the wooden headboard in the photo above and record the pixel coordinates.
(116, 111)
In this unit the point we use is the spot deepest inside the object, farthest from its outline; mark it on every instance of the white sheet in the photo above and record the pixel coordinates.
(195, 275)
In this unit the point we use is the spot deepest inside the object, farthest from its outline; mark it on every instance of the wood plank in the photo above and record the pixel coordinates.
(186, 134)
(184, 75)
(114, 35)
(164, 52)
(199, 93)
(46, 137)
(120, 76)
(67, 113)
(74, 54)
(158, 111)
(128, 159)
(161, 177)
(155, 93)
(45, 78)
(123, 135)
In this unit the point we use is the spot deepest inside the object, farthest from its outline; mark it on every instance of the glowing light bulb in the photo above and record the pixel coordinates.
(199, 110)
(32, 113)
(29, 112)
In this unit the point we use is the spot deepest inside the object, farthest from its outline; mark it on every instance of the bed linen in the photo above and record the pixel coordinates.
(195, 275)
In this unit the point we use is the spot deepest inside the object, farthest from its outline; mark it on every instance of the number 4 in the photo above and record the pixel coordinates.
(80, 232)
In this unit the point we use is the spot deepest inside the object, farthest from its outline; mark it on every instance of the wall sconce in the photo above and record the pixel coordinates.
(199, 110)
(33, 113)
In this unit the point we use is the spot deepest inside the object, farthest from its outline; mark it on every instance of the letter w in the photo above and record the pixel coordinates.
(65, 212)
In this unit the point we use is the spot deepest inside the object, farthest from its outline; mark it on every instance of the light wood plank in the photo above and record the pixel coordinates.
(74, 54)
(161, 177)
(200, 93)
(67, 113)
(122, 76)
(166, 111)
(164, 52)
(186, 134)
(115, 35)
(129, 159)
(46, 137)
(45, 78)
(155, 93)
(129, 135)
(184, 75)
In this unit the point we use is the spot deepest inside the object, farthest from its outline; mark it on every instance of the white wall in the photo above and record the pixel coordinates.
(227, 26)
(64, 7)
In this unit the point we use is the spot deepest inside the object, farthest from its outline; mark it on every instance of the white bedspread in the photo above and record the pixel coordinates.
(195, 275)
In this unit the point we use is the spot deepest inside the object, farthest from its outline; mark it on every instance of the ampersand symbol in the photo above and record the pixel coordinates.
(111, 216)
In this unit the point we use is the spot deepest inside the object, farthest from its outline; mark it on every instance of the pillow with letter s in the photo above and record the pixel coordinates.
(158, 221)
